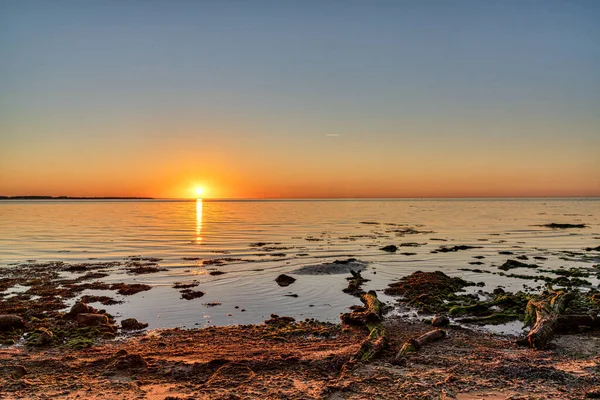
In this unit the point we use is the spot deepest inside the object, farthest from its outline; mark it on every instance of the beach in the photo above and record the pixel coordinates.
(244, 362)
(182, 300)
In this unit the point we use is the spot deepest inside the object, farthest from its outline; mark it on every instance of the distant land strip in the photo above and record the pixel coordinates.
(71, 198)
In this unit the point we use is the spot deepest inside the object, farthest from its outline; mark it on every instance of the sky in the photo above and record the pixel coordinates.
(300, 99)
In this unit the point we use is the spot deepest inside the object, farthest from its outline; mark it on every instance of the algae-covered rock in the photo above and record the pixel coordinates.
(429, 291)
(331, 268)
(512, 264)
(44, 336)
(473, 309)
(430, 283)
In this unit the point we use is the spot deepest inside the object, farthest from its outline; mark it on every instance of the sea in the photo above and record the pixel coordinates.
(234, 250)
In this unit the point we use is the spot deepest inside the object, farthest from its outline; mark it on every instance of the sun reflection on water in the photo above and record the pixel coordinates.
(198, 221)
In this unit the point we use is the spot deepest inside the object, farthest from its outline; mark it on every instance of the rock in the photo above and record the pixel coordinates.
(44, 336)
(89, 319)
(15, 371)
(391, 248)
(121, 353)
(277, 320)
(331, 268)
(190, 294)
(445, 249)
(132, 324)
(511, 264)
(593, 394)
(440, 320)
(284, 280)
(130, 361)
(554, 225)
(81, 308)
(9, 322)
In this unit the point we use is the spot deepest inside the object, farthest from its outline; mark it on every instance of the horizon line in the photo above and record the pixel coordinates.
(45, 197)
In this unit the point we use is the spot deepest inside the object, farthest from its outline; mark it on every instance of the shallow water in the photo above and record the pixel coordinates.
(305, 232)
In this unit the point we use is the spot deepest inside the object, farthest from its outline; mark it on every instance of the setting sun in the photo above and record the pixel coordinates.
(199, 191)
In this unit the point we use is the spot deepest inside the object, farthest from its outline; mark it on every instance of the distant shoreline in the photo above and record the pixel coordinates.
(299, 199)
(71, 198)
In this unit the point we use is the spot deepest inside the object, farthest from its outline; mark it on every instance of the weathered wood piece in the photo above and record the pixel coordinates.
(354, 284)
(415, 344)
(547, 313)
(370, 317)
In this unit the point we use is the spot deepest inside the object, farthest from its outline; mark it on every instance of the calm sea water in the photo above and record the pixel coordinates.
(306, 233)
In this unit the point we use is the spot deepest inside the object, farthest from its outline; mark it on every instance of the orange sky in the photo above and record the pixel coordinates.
(328, 167)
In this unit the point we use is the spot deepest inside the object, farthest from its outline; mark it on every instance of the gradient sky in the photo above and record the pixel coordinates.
(300, 98)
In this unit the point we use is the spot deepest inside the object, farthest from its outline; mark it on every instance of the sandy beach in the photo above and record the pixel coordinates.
(303, 361)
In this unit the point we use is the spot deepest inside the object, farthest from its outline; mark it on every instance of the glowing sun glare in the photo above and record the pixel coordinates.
(199, 191)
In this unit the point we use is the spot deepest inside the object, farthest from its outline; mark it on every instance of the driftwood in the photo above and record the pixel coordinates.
(370, 317)
(355, 283)
(415, 344)
(550, 320)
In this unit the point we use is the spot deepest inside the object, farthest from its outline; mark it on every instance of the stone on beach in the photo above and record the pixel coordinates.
(284, 280)
(81, 308)
(15, 371)
(132, 324)
(128, 362)
(88, 319)
(8, 322)
(391, 248)
(440, 320)
(44, 336)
